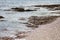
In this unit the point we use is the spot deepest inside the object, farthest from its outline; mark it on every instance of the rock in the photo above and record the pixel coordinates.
(41, 20)
(6, 38)
(18, 9)
(22, 9)
(32, 25)
(21, 34)
(48, 6)
(30, 10)
(1, 17)
(56, 8)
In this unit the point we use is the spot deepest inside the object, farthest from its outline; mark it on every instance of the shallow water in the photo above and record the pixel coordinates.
(12, 22)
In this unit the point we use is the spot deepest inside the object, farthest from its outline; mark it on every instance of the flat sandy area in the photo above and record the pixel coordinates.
(46, 32)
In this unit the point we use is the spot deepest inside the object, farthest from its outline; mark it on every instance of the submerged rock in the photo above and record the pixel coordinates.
(1, 17)
(41, 20)
(22, 18)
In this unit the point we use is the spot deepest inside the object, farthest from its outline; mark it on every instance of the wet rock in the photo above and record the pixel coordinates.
(41, 20)
(2, 20)
(5, 29)
(32, 25)
(30, 10)
(6, 38)
(48, 6)
(1, 17)
(22, 9)
(21, 34)
(56, 8)
(23, 22)
(18, 9)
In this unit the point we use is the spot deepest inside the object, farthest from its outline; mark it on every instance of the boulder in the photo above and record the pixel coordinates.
(1, 17)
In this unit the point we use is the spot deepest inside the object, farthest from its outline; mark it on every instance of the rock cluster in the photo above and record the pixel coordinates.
(41, 20)
(34, 21)
(21, 9)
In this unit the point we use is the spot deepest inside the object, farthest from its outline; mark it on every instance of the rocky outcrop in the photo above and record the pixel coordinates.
(21, 9)
(18, 9)
(56, 8)
(49, 6)
(41, 20)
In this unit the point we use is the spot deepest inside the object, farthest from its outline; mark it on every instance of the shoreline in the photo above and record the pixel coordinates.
(47, 32)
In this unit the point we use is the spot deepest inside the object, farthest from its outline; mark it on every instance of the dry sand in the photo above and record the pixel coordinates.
(46, 32)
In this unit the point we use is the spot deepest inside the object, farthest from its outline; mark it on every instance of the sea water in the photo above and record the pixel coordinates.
(12, 22)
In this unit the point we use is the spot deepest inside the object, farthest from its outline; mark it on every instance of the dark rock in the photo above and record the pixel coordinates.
(49, 6)
(6, 38)
(22, 9)
(41, 20)
(56, 8)
(1, 17)
(2, 20)
(18, 9)
(30, 10)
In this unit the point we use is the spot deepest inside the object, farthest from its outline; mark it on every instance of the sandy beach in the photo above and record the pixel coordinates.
(49, 31)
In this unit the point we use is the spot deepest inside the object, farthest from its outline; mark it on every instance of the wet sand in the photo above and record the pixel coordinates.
(46, 32)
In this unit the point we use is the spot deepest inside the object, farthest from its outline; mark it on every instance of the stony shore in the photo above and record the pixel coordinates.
(46, 32)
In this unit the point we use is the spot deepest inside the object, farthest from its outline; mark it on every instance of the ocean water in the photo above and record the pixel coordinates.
(12, 22)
